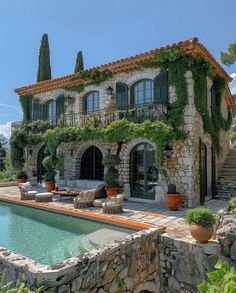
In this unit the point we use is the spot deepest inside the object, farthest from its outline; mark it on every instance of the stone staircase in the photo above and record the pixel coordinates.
(226, 185)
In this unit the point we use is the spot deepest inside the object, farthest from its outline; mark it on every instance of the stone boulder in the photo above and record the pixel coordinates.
(226, 236)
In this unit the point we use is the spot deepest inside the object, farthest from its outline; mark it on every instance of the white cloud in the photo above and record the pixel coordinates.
(5, 129)
(232, 84)
(17, 109)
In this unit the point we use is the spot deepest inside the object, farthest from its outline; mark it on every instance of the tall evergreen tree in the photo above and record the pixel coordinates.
(79, 65)
(3, 153)
(229, 57)
(44, 68)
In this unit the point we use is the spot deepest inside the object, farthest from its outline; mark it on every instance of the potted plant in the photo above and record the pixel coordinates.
(201, 221)
(50, 180)
(173, 198)
(111, 177)
(21, 177)
(49, 177)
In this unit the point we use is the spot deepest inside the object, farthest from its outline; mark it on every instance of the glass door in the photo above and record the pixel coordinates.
(144, 173)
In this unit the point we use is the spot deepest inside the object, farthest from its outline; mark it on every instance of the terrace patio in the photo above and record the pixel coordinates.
(136, 215)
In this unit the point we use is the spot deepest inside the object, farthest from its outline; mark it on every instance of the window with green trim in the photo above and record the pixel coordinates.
(121, 95)
(91, 102)
(161, 87)
(36, 110)
(142, 92)
(60, 106)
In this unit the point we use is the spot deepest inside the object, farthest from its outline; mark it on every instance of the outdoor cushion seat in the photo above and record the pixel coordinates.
(44, 197)
(85, 199)
(113, 204)
(98, 202)
(27, 192)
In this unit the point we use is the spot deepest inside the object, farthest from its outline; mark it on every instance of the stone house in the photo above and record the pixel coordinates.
(126, 86)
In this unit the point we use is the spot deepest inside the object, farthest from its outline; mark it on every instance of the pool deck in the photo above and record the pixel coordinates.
(136, 215)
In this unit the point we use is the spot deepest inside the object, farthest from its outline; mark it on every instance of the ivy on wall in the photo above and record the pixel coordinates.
(26, 106)
(120, 131)
(96, 77)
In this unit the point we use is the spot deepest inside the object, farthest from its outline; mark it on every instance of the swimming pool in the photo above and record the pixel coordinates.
(48, 237)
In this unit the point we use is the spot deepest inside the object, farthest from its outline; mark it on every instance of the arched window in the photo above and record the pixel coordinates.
(144, 173)
(121, 95)
(161, 87)
(142, 92)
(91, 102)
(91, 164)
(36, 109)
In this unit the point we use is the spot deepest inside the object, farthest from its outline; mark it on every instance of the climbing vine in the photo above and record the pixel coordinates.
(96, 77)
(26, 106)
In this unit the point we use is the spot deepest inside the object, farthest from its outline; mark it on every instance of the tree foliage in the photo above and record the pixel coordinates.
(79, 65)
(44, 67)
(229, 57)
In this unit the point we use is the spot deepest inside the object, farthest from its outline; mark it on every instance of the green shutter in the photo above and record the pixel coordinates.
(60, 106)
(121, 95)
(36, 110)
(161, 87)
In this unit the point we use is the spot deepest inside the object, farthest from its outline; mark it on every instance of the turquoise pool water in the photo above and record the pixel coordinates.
(44, 236)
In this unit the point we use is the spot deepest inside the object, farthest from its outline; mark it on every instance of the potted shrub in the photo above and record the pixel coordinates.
(173, 198)
(21, 177)
(201, 221)
(50, 180)
(111, 177)
(49, 177)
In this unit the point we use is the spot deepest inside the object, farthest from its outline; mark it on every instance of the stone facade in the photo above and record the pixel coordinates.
(184, 164)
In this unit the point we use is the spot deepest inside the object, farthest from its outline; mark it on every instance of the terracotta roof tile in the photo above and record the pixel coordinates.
(190, 47)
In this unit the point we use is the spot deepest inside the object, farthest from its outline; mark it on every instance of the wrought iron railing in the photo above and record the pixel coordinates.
(136, 113)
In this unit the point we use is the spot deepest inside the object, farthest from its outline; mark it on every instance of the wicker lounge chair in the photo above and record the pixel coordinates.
(27, 192)
(113, 204)
(85, 199)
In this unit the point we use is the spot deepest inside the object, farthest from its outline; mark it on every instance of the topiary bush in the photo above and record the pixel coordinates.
(21, 175)
(200, 216)
(111, 177)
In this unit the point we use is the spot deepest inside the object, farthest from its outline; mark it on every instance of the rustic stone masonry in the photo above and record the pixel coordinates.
(184, 264)
(149, 261)
(127, 265)
(226, 186)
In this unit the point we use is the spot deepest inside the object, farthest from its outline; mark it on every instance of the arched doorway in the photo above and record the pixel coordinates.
(143, 171)
(43, 152)
(91, 164)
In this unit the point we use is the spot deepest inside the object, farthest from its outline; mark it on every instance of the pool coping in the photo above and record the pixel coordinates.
(84, 213)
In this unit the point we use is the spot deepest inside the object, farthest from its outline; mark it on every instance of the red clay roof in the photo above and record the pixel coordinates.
(190, 47)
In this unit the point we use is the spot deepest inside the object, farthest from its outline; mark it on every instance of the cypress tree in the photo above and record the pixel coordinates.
(229, 57)
(79, 65)
(44, 68)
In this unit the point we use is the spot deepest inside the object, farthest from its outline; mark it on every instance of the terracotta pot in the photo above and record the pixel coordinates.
(112, 191)
(20, 180)
(201, 234)
(173, 201)
(50, 185)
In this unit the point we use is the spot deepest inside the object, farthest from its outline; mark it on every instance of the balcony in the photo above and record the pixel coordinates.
(137, 114)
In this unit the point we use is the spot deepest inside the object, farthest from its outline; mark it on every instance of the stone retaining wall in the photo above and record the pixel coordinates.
(184, 263)
(127, 265)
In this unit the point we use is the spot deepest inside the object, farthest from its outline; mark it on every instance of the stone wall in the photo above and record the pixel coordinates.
(127, 265)
(184, 263)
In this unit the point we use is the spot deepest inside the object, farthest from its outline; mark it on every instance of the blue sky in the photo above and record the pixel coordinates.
(105, 30)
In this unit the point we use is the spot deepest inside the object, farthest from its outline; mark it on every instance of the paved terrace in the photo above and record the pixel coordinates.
(136, 215)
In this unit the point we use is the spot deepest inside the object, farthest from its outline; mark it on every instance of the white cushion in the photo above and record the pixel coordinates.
(44, 194)
(26, 186)
(32, 192)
